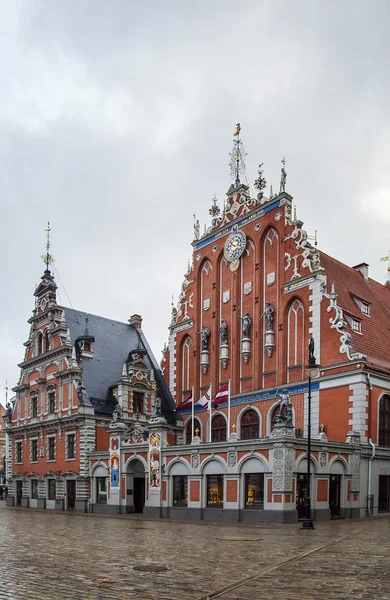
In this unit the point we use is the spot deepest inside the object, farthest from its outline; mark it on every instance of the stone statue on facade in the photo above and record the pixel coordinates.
(117, 413)
(8, 412)
(196, 228)
(223, 332)
(285, 416)
(269, 315)
(204, 337)
(283, 178)
(246, 324)
(156, 409)
(82, 394)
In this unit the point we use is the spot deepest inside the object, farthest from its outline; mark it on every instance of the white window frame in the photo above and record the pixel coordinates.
(68, 433)
(52, 460)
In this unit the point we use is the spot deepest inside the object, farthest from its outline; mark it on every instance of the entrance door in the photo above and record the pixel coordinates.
(334, 495)
(301, 494)
(139, 494)
(70, 493)
(19, 493)
(384, 493)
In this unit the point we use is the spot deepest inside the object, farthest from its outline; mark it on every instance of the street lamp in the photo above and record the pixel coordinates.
(313, 371)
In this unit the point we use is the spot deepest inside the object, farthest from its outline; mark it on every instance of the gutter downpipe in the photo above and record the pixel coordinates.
(369, 511)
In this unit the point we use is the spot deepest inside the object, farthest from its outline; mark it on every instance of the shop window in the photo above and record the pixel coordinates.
(34, 407)
(52, 402)
(51, 489)
(51, 448)
(34, 450)
(218, 429)
(101, 490)
(254, 490)
(189, 430)
(180, 490)
(19, 452)
(34, 489)
(215, 491)
(138, 403)
(384, 421)
(250, 425)
(71, 445)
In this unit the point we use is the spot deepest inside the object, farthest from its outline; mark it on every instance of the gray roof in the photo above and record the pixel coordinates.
(113, 342)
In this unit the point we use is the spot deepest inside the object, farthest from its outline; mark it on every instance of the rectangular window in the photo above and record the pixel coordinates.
(138, 403)
(19, 452)
(71, 450)
(365, 308)
(254, 490)
(52, 448)
(180, 490)
(52, 402)
(101, 490)
(34, 450)
(34, 489)
(356, 325)
(215, 491)
(51, 489)
(34, 407)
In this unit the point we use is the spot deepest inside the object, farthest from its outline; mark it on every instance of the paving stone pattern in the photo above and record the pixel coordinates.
(60, 556)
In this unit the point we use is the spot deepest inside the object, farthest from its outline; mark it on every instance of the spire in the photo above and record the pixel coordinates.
(86, 333)
(237, 157)
(260, 182)
(214, 211)
(74, 357)
(47, 258)
(6, 392)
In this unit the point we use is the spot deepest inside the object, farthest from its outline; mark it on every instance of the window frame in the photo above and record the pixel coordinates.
(257, 504)
(50, 481)
(19, 445)
(384, 421)
(137, 395)
(51, 401)
(244, 427)
(356, 325)
(49, 439)
(100, 493)
(34, 443)
(216, 431)
(34, 406)
(68, 436)
(34, 489)
(177, 479)
(219, 483)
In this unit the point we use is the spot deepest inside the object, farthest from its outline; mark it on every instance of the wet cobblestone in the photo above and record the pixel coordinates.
(59, 556)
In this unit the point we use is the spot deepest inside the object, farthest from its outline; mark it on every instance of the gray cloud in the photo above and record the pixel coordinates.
(116, 124)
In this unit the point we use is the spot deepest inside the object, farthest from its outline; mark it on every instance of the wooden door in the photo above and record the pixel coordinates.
(301, 494)
(19, 492)
(71, 493)
(334, 495)
(384, 493)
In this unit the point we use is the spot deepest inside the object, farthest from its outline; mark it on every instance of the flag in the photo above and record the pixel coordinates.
(184, 405)
(222, 395)
(204, 400)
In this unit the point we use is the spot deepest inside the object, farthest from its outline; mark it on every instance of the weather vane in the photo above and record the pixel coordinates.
(237, 157)
(47, 258)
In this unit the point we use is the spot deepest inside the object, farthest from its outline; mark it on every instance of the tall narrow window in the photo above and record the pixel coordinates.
(19, 452)
(138, 403)
(34, 450)
(180, 490)
(384, 421)
(51, 448)
(71, 450)
(51, 489)
(215, 491)
(250, 425)
(34, 489)
(47, 341)
(254, 490)
(39, 343)
(295, 341)
(218, 429)
(52, 402)
(34, 407)
(101, 490)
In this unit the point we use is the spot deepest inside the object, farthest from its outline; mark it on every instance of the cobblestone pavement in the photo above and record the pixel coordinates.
(60, 556)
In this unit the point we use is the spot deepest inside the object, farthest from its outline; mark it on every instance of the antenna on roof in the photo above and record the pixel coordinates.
(387, 259)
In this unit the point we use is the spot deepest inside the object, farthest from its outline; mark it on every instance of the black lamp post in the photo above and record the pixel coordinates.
(313, 371)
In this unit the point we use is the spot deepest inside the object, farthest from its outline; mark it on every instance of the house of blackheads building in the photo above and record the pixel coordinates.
(93, 425)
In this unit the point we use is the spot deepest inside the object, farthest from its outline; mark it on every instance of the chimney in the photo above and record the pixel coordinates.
(363, 269)
(136, 321)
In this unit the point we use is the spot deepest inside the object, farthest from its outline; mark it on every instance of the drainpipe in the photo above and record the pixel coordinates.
(369, 382)
(369, 476)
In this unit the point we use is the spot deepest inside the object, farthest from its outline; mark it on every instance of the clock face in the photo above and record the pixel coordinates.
(235, 246)
(43, 303)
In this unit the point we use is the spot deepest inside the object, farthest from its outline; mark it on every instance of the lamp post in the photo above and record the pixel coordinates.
(313, 371)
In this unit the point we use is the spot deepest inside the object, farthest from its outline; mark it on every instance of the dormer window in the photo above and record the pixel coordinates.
(86, 347)
(356, 326)
(365, 308)
(138, 403)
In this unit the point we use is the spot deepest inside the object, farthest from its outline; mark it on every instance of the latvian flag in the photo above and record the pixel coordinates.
(204, 400)
(184, 405)
(222, 395)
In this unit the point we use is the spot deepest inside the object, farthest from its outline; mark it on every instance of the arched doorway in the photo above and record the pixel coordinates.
(301, 487)
(135, 486)
(337, 471)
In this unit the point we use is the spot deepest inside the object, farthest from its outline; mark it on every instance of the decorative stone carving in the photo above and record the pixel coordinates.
(195, 461)
(223, 332)
(271, 278)
(247, 288)
(226, 296)
(282, 472)
(232, 459)
(206, 304)
(323, 459)
(355, 483)
(284, 417)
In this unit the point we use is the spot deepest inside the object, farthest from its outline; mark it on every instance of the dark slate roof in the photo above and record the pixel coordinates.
(113, 342)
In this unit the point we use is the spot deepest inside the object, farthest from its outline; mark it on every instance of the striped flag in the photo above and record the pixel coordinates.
(184, 405)
(222, 395)
(204, 400)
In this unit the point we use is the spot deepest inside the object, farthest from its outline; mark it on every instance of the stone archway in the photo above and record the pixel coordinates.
(135, 486)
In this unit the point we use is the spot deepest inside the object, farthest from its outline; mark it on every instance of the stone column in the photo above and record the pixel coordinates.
(117, 430)
(158, 434)
(283, 508)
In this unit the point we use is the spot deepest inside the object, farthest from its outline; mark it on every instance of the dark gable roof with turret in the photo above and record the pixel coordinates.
(113, 342)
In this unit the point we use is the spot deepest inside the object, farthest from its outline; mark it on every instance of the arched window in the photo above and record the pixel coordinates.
(186, 382)
(250, 425)
(218, 429)
(384, 421)
(39, 343)
(295, 341)
(189, 430)
(47, 341)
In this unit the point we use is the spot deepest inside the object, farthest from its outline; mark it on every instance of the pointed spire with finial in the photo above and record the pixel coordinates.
(214, 211)
(237, 157)
(86, 332)
(260, 182)
(47, 258)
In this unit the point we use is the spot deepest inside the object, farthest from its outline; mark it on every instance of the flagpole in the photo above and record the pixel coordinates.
(210, 401)
(192, 416)
(228, 436)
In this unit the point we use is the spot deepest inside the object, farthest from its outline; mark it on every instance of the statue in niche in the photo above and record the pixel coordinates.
(156, 410)
(196, 228)
(269, 315)
(311, 351)
(204, 337)
(283, 178)
(82, 394)
(246, 324)
(223, 332)
(285, 416)
(117, 413)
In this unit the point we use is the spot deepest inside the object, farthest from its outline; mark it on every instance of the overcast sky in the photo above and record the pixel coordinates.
(116, 123)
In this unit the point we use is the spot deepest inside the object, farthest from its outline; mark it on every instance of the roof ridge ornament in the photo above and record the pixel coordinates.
(47, 258)
(237, 157)
(260, 183)
(283, 176)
